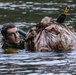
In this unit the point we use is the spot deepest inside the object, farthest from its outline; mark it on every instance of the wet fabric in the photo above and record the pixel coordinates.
(21, 45)
(49, 35)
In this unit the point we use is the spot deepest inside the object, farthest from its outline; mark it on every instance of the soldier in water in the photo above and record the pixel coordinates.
(11, 38)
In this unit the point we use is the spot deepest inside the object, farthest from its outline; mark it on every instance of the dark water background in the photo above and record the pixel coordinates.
(26, 14)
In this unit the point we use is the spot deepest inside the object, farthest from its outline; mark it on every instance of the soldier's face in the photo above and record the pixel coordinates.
(13, 36)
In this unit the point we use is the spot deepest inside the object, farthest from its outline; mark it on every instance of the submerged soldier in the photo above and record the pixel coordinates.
(11, 38)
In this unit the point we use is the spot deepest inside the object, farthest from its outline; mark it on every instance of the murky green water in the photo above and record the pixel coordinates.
(26, 14)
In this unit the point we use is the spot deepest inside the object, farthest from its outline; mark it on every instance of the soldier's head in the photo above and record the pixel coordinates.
(10, 33)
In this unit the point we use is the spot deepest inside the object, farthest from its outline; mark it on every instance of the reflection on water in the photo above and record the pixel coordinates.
(38, 63)
(26, 14)
(21, 11)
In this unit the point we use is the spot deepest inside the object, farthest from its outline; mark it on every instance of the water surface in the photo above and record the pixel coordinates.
(26, 14)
